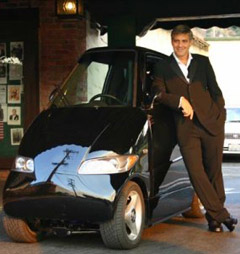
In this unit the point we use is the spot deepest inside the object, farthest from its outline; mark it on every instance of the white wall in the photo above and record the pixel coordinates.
(96, 72)
(93, 38)
(158, 40)
(225, 59)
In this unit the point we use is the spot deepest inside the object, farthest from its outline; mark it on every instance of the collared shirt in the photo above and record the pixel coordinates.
(182, 66)
(184, 69)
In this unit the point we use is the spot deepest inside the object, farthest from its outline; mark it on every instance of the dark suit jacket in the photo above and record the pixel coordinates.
(14, 117)
(202, 92)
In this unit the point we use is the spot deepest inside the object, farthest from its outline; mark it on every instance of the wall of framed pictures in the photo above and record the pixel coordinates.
(11, 96)
(19, 79)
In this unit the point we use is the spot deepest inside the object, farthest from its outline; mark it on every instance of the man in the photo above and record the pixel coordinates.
(14, 116)
(186, 83)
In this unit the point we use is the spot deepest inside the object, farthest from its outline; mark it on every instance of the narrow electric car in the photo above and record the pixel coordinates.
(100, 157)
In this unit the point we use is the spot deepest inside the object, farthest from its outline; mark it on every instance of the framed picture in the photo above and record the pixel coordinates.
(16, 49)
(3, 112)
(3, 73)
(14, 115)
(2, 50)
(15, 72)
(14, 94)
(3, 93)
(16, 136)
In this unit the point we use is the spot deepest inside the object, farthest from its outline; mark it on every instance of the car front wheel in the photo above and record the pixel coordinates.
(124, 231)
(19, 231)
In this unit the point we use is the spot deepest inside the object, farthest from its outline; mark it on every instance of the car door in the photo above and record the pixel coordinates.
(171, 190)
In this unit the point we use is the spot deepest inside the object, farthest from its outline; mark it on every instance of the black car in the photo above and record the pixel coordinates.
(98, 157)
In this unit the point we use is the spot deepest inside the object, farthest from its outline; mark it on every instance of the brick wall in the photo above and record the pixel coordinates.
(61, 42)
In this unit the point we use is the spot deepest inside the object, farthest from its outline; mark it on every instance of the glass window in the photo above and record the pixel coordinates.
(103, 78)
(233, 114)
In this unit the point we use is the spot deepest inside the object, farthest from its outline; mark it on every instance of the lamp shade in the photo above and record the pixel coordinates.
(69, 8)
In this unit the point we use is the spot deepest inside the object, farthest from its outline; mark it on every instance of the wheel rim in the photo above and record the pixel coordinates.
(133, 215)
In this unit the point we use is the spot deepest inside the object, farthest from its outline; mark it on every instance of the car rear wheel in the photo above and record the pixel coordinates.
(19, 231)
(124, 231)
(196, 211)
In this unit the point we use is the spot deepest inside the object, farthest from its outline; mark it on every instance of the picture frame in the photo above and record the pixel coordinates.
(3, 112)
(17, 49)
(2, 50)
(14, 94)
(14, 115)
(16, 136)
(3, 94)
(3, 73)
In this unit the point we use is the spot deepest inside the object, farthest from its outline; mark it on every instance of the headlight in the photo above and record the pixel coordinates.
(23, 164)
(108, 165)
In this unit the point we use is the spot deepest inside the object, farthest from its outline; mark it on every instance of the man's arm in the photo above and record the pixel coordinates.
(173, 101)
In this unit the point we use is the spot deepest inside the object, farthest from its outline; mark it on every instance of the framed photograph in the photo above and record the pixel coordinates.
(3, 94)
(14, 94)
(3, 73)
(3, 112)
(15, 72)
(16, 136)
(16, 49)
(2, 50)
(14, 115)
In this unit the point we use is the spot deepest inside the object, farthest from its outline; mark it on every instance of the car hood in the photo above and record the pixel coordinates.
(60, 139)
(110, 129)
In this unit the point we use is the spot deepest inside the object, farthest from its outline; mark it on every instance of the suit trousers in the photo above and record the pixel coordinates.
(202, 155)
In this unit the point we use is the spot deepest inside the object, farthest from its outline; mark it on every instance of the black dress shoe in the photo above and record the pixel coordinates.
(215, 226)
(230, 223)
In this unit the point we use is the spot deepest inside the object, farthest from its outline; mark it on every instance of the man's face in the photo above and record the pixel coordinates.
(181, 44)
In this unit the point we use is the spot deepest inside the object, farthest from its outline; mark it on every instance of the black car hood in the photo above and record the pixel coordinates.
(114, 129)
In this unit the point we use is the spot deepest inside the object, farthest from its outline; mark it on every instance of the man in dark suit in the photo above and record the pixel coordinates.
(186, 83)
(14, 116)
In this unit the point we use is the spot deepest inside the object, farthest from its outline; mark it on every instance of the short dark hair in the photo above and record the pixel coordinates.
(182, 29)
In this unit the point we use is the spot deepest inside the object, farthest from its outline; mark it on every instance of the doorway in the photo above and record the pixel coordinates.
(19, 82)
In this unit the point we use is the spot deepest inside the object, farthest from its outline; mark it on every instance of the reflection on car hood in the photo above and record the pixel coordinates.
(113, 129)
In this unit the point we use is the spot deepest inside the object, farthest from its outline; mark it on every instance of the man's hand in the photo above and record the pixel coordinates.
(186, 108)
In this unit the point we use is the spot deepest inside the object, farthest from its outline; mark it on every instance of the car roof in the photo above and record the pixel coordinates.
(136, 48)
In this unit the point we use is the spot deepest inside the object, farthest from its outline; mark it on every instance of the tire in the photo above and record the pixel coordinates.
(196, 210)
(124, 231)
(19, 231)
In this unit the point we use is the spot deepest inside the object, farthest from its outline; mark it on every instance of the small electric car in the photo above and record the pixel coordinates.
(100, 157)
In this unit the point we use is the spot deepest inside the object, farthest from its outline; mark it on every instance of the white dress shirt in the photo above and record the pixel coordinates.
(182, 66)
(184, 69)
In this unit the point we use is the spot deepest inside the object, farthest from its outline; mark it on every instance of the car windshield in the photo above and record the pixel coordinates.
(233, 114)
(101, 78)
